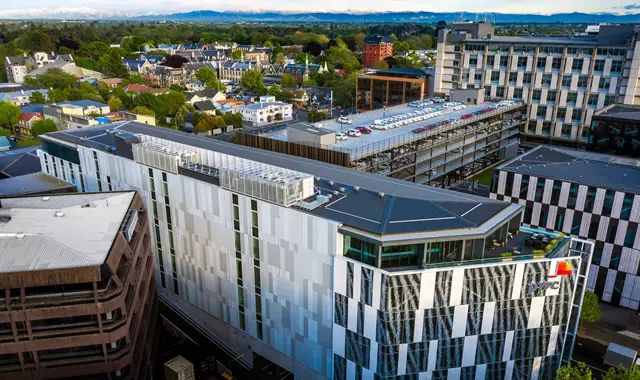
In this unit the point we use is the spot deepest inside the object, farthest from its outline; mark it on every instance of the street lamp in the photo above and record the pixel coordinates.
(384, 110)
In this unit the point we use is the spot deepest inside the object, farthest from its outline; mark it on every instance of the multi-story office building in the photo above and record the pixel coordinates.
(587, 195)
(334, 273)
(563, 80)
(376, 48)
(78, 287)
(616, 130)
(390, 87)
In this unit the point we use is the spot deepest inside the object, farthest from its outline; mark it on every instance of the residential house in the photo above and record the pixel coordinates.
(20, 98)
(233, 70)
(69, 68)
(196, 86)
(112, 82)
(258, 54)
(130, 116)
(258, 114)
(76, 114)
(206, 94)
(16, 68)
(152, 59)
(141, 67)
(216, 54)
(26, 122)
(206, 106)
(301, 72)
(134, 89)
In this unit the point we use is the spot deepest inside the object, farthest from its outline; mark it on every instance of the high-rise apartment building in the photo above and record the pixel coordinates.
(376, 48)
(333, 273)
(563, 80)
(78, 289)
(615, 130)
(587, 195)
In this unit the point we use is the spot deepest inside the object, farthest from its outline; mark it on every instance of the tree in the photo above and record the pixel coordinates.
(274, 90)
(180, 116)
(400, 46)
(93, 50)
(43, 126)
(236, 54)
(149, 101)
(113, 65)
(234, 119)
(5, 132)
(37, 98)
(252, 80)
(210, 78)
(134, 79)
(359, 41)
(9, 115)
(53, 78)
(141, 110)
(210, 122)
(574, 372)
(590, 308)
(342, 58)
(114, 103)
(279, 59)
(170, 103)
(380, 65)
(622, 373)
(288, 81)
(277, 117)
(314, 116)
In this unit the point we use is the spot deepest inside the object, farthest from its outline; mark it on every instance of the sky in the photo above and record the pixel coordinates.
(173, 6)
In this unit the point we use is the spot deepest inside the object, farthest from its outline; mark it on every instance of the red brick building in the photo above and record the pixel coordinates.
(376, 48)
(78, 288)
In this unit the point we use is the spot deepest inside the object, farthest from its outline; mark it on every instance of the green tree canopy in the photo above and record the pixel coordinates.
(37, 98)
(171, 102)
(142, 110)
(590, 308)
(579, 371)
(236, 54)
(43, 126)
(274, 90)
(182, 113)
(234, 119)
(343, 58)
(279, 59)
(210, 78)
(380, 65)
(210, 122)
(53, 78)
(622, 374)
(134, 79)
(252, 80)
(9, 115)
(288, 81)
(115, 103)
(113, 65)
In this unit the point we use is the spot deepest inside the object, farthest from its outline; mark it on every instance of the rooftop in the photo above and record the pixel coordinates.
(405, 207)
(52, 232)
(308, 127)
(620, 112)
(537, 40)
(584, 168)
(401, 71)
(33, 183)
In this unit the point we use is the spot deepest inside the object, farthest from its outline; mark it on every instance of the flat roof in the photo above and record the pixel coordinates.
(620, 112)
(584, 168)
(36, 239)
(310, 128)
(404, 201)
(536, 40)
(32, 183)
(378, 140)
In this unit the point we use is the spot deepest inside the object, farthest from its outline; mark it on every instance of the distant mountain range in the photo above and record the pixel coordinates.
(343, 17)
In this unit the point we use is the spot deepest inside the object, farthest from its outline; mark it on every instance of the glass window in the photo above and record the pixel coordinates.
(495, 76)
(517, 93)
(526, 78)
(565, 130)
(473, 60)
(546, 80)
(477, 77)
(539, 190)
(522, 62)
(490, 60)
(524, 186)
(556, 63)
(500, 92)
(513, 77)
(582, 81)
(561, 113)
(551, 96)
(542, 62)
(542, 111)
(592, 100)
(400, 256)
(630, 237)
(577, 115)
(566, 81)
(572, 97)
(536, 95)
(608, 202)
(609, 99)
(627, 204)
(590, 200)
(616, 67)
(504, 60)
(577, 64)
(360, 250)
(605, 83)
(598, 66)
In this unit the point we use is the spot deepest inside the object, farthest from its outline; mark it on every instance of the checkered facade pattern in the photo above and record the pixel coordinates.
(472, 322)
(609, 218)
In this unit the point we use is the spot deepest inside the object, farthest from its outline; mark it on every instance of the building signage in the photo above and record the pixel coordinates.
(533, 287)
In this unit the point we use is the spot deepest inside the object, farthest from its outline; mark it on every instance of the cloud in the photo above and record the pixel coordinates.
(631, 6)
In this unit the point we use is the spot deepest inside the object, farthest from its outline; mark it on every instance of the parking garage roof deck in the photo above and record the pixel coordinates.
(381, 140)
(410, 209)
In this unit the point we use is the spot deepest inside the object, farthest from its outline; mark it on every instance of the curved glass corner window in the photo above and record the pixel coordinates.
(400, 256)
(360, 250)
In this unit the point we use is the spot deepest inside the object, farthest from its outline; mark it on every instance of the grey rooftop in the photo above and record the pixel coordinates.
(584, 168)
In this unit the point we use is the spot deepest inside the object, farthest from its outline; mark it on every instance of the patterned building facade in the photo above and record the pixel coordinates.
(590, 196)
(323, 285)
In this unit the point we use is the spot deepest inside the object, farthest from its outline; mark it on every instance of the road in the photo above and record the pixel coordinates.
(592, 354)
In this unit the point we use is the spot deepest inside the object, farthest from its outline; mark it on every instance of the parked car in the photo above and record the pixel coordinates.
(341, 136)
(364, 130)
(466, 116)
(418, 130)
(354, 133)
(344, 120)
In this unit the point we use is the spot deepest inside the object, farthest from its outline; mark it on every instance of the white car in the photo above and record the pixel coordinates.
(353, 133)
(344, 120)
(341, 136)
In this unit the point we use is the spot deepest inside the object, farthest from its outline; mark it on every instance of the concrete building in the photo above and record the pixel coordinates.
(307, 133)
(376, 48)
(586, 195)
(80, 297)
(331, 273)
(263, 113)
(21, 97)
(438, 147)
(75, 114)
(390, 87)
(616, 130)
(563, 80)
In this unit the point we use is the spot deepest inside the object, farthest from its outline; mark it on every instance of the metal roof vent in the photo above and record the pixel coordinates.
(20, 235)
(329, 196)
(335, 192)
(59, 214)
(44, 199)
(317, 179)
(356, 188)
(341, 189)
(331, 183)
(381, 195)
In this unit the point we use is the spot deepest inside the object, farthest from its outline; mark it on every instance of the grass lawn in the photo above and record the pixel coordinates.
(485, 176)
